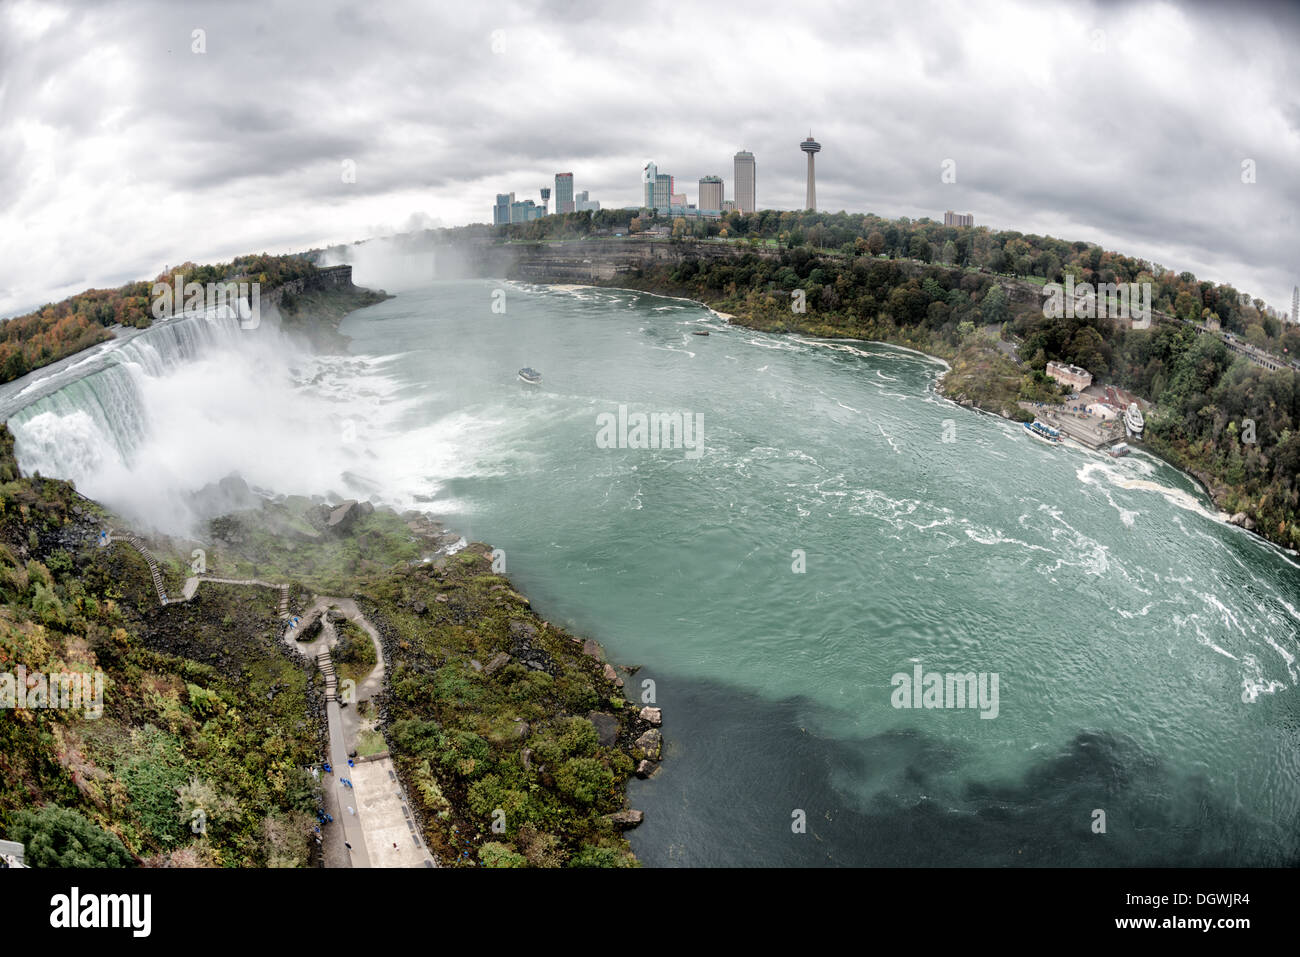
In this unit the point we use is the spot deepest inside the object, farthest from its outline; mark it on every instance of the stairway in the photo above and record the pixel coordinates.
(326, 665)
(284, 602)
(154, 571)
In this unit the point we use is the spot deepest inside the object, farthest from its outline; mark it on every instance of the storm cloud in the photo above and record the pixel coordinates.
(122, 150)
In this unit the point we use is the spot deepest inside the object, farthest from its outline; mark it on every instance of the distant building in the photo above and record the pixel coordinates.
(501, 211)
(526, 211)
(1295, 305)
(1076, 378)
(564, 192)
(958, 219)
(729, 205)
(584, 204)
(710, 193)
(745, 176)
(811, 147)
(546, 199)
(678, 199)
(692, 212)
(658, 189)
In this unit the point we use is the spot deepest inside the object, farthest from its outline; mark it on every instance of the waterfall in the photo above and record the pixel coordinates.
(68, 432)
(153, 418)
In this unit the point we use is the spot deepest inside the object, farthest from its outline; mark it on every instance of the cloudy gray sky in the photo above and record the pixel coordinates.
(123, 151)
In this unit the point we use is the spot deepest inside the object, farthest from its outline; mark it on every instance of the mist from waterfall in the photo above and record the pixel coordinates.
(192, 401)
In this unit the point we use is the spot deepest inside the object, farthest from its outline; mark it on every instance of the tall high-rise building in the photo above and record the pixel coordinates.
(958, 219)
(501, 210)
(812, 148)
(564, 192)
(584, 203)
(745, 176)
(1295, 304)
(546, 199)
(658, 188)
(710, 193)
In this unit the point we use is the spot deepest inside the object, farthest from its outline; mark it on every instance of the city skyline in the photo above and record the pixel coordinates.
(1189, 204)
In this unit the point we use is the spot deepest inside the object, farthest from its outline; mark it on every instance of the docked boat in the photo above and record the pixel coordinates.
(531, 376)
(1133, 421)
(1118, 450)
(1043, 432)
(700, 332)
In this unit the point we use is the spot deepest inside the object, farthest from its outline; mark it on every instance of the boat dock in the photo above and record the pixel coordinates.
(1090, 430)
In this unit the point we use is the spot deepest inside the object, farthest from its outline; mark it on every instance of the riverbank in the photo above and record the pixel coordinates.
(511, 735)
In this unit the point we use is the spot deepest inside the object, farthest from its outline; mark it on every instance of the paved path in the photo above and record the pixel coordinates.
(381, 816)
(387, 819)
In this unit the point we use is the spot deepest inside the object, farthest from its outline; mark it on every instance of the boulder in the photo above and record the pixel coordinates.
(625, 819)
(606, 728)
(612, 675)
(592, 648)
(650, 745)
(335, 617)
(645, 768)
(441, 599)
(654, 716)
(419, 607)
(309, 628)
(496, 664)
(475, 664)
(1243, 520)
(341, 518)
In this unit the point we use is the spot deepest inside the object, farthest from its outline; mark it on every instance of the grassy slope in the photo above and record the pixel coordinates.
(197, 697)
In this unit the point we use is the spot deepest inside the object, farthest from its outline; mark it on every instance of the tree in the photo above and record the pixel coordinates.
(876, 242)
(994, 307)
(61, 837)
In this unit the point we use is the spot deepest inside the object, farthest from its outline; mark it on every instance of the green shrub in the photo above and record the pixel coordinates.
(585, 780)
(594, 856)
(61, 837)
(493, 854)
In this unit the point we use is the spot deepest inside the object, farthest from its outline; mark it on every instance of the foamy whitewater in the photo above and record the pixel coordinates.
(826, 539)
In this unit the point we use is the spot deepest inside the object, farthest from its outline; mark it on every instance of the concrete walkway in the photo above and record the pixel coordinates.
(383, 817)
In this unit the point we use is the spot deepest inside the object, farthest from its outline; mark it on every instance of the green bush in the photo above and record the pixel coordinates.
(594, 856)
(493, 854)
(585, 780)
(61, 837)
(570, 737)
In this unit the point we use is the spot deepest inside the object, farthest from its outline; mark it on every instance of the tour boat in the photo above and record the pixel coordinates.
(1043, 432)
(531, 376)
(1118, 450)
(1133, 421)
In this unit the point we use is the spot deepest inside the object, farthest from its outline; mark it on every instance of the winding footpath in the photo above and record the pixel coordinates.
(380, 830)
